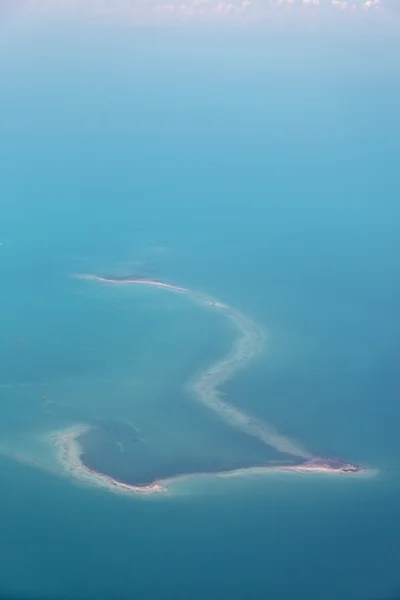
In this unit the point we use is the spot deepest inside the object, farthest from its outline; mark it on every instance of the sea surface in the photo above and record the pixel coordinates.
(259, 171)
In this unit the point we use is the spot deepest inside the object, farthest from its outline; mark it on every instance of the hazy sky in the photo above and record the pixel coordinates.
(247, 10)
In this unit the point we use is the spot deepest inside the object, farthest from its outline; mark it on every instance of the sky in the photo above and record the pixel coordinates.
(138, 11)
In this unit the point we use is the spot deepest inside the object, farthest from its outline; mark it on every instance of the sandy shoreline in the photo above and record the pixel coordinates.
(69, 451)
(249, 343)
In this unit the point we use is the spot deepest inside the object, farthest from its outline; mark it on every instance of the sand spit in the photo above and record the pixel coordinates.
(69, 453)
(249, 343)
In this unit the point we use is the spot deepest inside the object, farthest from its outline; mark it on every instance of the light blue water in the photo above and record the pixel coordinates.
(270, 184)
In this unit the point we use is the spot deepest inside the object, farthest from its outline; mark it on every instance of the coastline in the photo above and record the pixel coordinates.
(69, 451)
(249, 344)
(204, 388)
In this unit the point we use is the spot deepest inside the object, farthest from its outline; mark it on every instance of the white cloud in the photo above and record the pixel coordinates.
(130, 9)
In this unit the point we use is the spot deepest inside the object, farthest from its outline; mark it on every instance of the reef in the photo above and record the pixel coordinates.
(205, 389)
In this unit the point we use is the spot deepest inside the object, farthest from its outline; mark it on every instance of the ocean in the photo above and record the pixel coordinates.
(260, 171)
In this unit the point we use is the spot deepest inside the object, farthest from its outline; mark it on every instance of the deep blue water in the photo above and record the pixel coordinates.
(261, 172)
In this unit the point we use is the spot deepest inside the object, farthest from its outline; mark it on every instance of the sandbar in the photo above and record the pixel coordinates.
(205, 389)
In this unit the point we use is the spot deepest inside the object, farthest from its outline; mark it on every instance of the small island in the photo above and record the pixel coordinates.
(79, 463)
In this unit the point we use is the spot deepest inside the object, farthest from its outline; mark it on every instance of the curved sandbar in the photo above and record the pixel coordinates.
(69, 454)
(205, 389)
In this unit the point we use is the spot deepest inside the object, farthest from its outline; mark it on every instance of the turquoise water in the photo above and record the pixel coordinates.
(268, 183)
